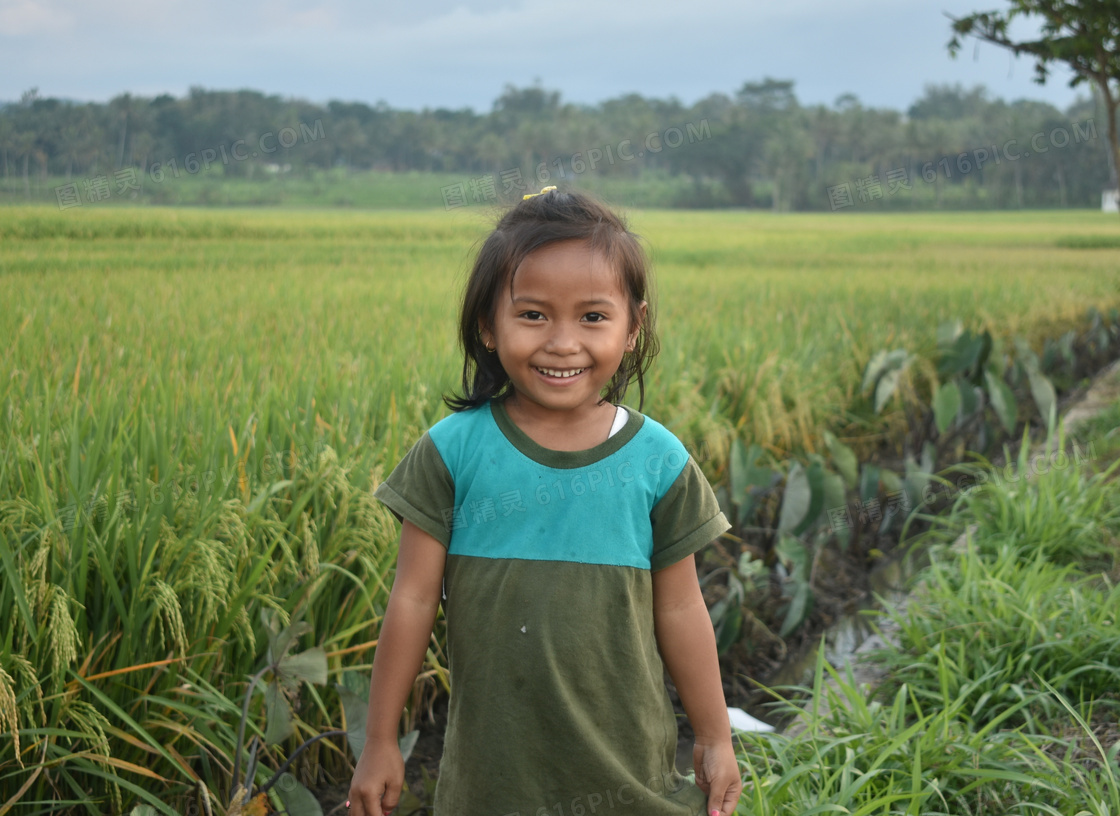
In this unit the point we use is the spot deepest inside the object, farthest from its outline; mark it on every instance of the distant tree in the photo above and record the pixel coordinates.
(1084, 34)
(949, 102)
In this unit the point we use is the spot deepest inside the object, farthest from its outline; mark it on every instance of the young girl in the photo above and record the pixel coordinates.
(557, 529)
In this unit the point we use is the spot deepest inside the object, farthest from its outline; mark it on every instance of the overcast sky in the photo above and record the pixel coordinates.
(461, 53)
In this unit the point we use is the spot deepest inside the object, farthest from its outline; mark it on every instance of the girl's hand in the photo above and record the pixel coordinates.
(717, 774)
(378, 778)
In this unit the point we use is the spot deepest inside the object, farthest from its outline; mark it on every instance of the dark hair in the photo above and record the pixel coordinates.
(531, 224)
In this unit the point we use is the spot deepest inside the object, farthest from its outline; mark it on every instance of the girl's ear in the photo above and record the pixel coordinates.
(632, 338)
(486, 335)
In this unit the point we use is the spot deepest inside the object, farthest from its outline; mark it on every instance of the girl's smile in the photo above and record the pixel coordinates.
(560, 332)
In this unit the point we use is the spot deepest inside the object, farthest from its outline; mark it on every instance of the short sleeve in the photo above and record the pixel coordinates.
(420, 489)
(686, 518)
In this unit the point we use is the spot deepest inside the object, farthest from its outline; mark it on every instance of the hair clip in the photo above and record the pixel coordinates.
(542, 192)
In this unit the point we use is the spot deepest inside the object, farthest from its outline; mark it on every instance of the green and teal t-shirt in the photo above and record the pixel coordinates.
(558, 704)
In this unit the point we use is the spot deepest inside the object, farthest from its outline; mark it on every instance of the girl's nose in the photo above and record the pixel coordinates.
(562, 340)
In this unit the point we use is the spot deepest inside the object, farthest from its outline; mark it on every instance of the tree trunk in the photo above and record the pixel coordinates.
(1110, 105)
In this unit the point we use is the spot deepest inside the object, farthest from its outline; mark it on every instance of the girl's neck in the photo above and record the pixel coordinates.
(559, 431)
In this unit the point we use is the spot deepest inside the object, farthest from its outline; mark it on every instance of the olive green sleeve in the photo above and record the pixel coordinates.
(421, 490)
(686, 518)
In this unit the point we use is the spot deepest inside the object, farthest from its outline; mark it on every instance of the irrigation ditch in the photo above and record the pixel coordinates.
(846, 624)
(848, 581)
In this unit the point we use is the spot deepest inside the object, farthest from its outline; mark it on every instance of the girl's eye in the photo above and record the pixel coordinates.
(532, 315)
(594, 317)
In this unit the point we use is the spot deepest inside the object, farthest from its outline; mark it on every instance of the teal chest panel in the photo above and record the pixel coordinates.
(508, 505)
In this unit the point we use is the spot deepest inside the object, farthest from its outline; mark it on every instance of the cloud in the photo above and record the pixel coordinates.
(27, 18)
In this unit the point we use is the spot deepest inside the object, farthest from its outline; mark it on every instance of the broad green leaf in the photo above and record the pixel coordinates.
(844, 458)
(278, 710)
(969, 400)
(874, 369)
(1003, 401)
(886, 387)
(729, 626)
(284, 639)
(946, 404)
(1026, 354)
(948, 332)
(835, 498)
(298, 800)
(869, 482)
(798, 608)
(796, 499)
(309, 666)
(750, 568)
(1065, 345)
(407, 743)
(727, 615)
(916, 479)
(356, 709)
(815, 476)
(793, 551)
(745, 474)
(891, 482)
(985, 353)
(723, 498)
(928, 460)
(1043, 392)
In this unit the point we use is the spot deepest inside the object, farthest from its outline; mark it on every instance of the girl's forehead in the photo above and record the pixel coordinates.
(565, 265)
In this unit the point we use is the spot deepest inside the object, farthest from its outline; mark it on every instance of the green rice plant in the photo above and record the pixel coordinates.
(115, 617)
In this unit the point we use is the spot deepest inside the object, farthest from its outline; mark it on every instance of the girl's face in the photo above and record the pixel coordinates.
(561, 330)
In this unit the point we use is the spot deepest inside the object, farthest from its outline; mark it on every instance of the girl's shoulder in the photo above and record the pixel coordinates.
(651, 428)
(464, 421)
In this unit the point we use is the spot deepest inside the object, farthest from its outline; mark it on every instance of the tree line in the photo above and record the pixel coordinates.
(758, 147)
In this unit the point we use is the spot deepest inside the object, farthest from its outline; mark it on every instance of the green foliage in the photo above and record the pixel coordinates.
(1080, 33)
(758, 147)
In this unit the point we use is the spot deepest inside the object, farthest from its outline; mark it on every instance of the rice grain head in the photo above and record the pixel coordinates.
(62, 635)
(9, 713)
(168, 619)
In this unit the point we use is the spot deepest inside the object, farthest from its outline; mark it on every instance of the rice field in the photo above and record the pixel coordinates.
(195, 405)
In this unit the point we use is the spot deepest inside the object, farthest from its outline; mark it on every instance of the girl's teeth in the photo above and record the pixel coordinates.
(562, 374)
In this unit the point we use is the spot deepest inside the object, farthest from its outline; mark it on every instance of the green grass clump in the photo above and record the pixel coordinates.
(985, 631)
(904, 756)
(1051, 504)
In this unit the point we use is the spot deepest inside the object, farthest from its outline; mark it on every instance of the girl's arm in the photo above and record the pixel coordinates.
(401, 646)
(688, 647)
